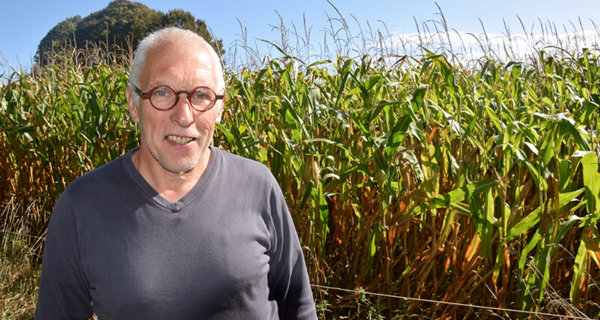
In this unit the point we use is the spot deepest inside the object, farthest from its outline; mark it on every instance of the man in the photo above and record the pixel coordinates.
(174, 229)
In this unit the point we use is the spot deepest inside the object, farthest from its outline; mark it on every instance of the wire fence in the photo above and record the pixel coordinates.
(359, 292)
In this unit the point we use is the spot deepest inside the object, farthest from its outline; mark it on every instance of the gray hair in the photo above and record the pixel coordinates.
(160, 37)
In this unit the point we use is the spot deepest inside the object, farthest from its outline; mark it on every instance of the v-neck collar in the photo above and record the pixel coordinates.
(154, 196)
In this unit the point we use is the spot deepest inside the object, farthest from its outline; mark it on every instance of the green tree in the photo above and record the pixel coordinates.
(185, 20)
(59, 37)
(122, 23)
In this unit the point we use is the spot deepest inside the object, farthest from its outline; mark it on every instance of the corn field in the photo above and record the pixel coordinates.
(411, 177)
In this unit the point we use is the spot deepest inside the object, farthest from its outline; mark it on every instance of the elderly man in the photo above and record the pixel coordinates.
(174, 229)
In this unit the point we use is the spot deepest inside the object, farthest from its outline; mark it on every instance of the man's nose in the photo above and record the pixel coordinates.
(183, 111)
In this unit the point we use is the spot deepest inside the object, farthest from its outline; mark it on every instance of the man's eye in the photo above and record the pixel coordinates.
(201, 95)
(163, 92)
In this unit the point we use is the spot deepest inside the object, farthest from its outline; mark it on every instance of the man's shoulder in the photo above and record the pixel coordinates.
(237, 167)
(100, 178)
(234, 161)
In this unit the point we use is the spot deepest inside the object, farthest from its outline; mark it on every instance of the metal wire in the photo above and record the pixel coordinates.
(465, 305)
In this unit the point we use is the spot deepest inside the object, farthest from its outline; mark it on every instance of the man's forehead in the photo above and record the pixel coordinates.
(171, 63)
(174, 54)
(182, 48)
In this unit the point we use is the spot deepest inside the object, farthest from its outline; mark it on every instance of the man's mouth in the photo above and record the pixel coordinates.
(180, 140)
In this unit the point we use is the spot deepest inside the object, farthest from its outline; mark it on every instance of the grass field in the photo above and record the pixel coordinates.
(414, 176)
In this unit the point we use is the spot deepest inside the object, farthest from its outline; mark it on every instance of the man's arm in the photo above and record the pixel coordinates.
(64, 291)
(288, 278)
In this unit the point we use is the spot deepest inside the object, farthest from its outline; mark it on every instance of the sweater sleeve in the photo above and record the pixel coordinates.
(288, 278)
(64, 291)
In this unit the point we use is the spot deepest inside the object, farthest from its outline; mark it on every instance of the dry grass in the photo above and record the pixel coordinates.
(19, 270)
(19, 276)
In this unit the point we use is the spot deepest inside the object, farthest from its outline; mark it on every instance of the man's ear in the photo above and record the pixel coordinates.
(133, 111)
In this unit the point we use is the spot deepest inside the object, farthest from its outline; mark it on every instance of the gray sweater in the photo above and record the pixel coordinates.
(227, 250)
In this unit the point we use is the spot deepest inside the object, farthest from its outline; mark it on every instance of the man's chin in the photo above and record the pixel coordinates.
(179, 168)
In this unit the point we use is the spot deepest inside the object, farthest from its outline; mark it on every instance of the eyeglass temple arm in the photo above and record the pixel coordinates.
(145, 95)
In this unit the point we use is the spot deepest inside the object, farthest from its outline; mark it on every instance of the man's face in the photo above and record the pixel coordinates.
(177, 139)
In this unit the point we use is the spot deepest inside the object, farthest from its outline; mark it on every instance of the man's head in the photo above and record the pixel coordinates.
(163, 37)
(176, 138)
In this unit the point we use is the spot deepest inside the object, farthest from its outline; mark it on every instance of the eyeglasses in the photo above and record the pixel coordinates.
(164, 97)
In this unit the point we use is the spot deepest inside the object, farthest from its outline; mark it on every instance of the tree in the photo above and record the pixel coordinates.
(121, 23)
(58, 37)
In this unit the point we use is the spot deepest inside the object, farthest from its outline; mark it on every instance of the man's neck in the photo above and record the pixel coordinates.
(171, 186)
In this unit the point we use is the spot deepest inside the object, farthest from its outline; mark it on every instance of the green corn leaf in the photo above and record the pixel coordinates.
(454, 196)
(373, 81)
(362, 129)
(567, 126)
(534, 217)
(547, 149)
(418, 98)
(579, 269)
(396, 136)
(591, 181)
(415, 164)
(486, 231)
(494, 118)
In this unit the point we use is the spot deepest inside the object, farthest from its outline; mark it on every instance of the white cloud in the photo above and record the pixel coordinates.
(469, 47)
(458, 46)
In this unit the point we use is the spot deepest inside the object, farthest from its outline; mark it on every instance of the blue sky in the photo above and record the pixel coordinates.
(23, 23)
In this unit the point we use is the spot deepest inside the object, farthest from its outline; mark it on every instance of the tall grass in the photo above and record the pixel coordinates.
(414, 176)
(432, 181)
